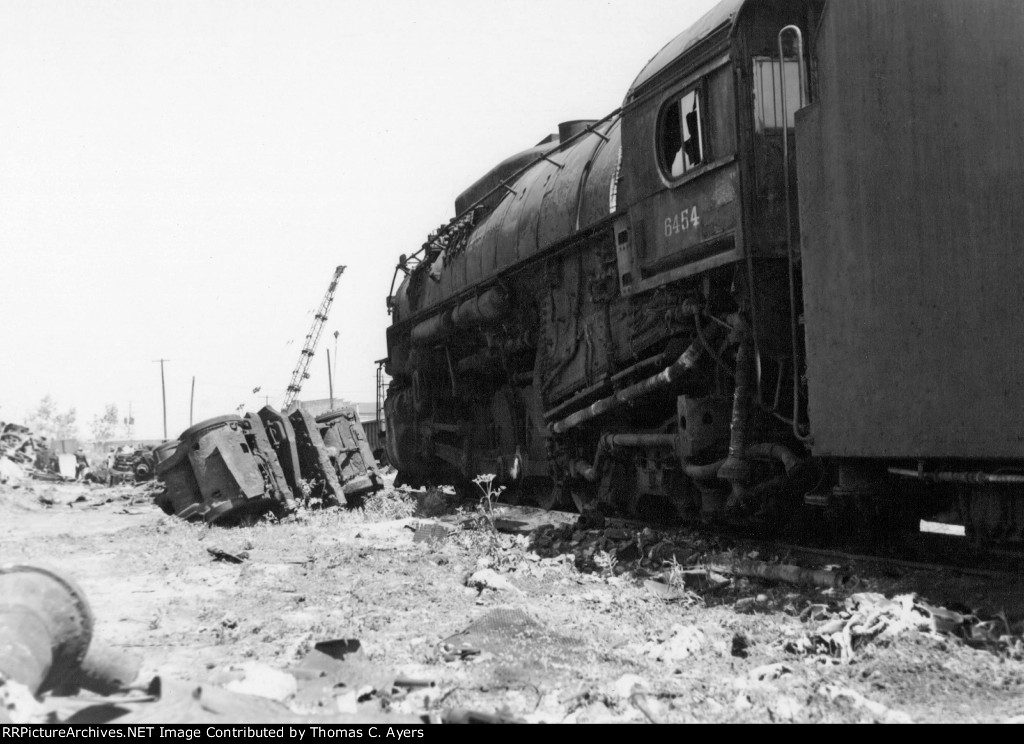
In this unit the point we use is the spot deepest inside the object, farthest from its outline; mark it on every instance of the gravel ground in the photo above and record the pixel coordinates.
(558, 624)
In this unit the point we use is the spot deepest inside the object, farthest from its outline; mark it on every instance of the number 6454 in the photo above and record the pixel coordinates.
(685, 220)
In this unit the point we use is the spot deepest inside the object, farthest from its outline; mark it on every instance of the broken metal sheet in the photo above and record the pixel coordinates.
(66, 466)
(182, 702)
(431, 532)
(223, 555)
(504, 631)
(314, 461)
(335, 667)
(10, 470)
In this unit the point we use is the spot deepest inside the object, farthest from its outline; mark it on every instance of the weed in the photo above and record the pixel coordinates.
(306, 489)
(677, 582)
(490, 494)
(389, 504)
(606, 562)
(434, 502)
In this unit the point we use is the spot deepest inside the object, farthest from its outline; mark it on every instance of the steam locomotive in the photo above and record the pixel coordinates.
(783, 277)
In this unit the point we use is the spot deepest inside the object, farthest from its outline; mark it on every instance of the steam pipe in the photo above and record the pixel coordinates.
(680, 372)
(488, 307)
(775, 452)
(703, 472)
(974, 479)
(609, 442)
(638, 441)
(736, 469)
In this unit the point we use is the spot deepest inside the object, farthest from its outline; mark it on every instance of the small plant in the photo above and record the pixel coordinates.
(491, 493)
(606, 562)
(389, 504)
(311, 491)
(676, 580)
(306, 489)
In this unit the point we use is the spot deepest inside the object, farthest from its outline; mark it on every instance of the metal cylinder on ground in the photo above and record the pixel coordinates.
(45, 626)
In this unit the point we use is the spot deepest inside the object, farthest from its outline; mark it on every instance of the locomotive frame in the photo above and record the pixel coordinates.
(731, 297)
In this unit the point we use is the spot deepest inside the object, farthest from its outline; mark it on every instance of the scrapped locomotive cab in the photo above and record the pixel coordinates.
(619, 315)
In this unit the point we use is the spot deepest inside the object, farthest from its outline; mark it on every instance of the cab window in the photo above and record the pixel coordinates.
(681, 135)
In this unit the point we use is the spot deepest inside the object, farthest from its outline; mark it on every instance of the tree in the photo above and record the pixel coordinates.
(104, 427)
(46, 422)
(65, 425)
(41, 419)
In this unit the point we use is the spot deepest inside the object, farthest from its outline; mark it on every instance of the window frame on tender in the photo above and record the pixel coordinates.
(673, 104)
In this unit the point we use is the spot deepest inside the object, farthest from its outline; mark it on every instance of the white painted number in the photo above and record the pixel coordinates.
(682, 222)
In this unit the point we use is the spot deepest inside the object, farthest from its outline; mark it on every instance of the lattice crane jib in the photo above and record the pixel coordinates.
(301, 371)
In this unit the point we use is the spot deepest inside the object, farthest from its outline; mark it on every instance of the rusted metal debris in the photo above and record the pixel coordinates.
(18, 444)
(131, 464)
(25, 455)
(46, 636)
(723, 564)
(228, 468)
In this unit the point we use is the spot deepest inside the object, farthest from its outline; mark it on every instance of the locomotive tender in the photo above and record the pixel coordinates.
(785, 273)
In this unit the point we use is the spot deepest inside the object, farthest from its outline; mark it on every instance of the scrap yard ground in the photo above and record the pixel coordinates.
(557, 625)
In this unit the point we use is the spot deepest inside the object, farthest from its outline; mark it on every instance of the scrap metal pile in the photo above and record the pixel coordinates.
(232, 467)
(18, 444)
(23, 455)
(131, 464)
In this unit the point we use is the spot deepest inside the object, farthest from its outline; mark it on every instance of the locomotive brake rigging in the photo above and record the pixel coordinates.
(782, 278)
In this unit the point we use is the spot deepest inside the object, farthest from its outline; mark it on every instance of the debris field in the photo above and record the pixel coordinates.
(415, 607)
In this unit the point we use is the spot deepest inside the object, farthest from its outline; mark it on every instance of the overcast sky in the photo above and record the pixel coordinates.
(179, 179)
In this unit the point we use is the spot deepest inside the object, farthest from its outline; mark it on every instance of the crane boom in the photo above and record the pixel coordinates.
(301, 371)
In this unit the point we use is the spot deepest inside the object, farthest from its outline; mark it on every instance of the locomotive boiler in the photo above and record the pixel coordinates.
(784, 276)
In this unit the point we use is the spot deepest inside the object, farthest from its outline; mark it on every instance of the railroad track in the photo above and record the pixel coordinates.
(914, 552)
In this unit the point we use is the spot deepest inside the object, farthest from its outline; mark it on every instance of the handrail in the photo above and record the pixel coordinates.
(795, 30)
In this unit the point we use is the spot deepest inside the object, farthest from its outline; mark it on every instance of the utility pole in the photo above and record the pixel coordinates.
(163, 390)
(330, 380)
(129, 423)
(191, 401)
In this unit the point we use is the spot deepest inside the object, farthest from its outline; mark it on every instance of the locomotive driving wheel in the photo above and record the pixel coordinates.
(992, 515)
(553, 497)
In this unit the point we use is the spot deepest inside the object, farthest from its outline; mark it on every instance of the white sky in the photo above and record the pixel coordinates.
(179, 179)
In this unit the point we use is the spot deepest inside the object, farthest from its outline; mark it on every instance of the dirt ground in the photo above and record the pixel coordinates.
(555, 625)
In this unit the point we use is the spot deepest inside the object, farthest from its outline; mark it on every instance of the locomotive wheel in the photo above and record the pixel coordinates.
(992, 516)
(583, 497)
(554, 497)
(513, 495)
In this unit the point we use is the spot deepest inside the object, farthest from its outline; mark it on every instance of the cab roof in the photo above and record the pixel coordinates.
(722, 15)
